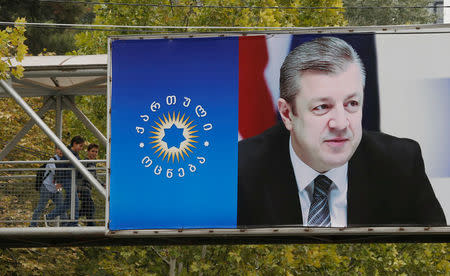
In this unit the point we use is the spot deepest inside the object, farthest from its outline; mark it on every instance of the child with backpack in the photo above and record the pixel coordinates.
(48, 189)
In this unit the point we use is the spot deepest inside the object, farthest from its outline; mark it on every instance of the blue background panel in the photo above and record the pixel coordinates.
(204, 70)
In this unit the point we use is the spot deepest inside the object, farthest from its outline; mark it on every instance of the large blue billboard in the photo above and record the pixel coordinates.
(174, 128)
(203, 136)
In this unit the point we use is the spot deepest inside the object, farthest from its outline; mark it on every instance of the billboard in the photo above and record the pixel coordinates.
(201, 140)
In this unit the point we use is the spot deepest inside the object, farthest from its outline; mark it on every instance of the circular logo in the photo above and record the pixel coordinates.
(174, 136)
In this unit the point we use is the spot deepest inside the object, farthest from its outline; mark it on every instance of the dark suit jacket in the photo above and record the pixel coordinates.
(387, 184)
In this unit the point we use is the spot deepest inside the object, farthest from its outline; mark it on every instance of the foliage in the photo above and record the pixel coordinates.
(94, 107)
(12, 46)
(95, 42)
(34, 261)
(388, 16)
(55, 40)
(12, 119)
(341, 259)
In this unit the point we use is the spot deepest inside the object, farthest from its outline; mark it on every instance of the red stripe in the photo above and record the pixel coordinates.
(256, 112)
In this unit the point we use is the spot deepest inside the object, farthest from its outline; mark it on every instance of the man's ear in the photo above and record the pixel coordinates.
(286, 113)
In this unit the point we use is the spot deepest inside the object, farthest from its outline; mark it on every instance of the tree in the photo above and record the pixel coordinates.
(323, 259)
(191, 15)
(59, 41)
(12, 46)
(379, 12)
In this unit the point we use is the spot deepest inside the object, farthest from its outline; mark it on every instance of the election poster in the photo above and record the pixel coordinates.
(237, 131)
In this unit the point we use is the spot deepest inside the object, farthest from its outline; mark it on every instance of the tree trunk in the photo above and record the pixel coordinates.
(203, 257)
(172, 267)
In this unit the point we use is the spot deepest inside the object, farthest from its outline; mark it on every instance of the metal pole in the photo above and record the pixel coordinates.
(48, 161)
(73, 159)
(10, 146)
(66, 73)
(85, 120)
(73, 190)
(58, 117)
(108, 134)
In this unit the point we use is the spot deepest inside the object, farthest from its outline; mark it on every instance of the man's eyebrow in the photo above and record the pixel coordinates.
(320, 99)
(353, 95)
(323, 99)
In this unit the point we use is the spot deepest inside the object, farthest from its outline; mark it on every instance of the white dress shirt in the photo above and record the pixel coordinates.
(337, 198)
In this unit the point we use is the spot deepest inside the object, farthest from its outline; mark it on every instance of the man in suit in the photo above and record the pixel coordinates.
(319, 168)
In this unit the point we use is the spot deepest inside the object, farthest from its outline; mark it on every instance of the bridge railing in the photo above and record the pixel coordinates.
(64, 198)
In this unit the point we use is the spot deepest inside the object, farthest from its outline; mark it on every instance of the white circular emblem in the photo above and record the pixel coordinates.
(174, 137)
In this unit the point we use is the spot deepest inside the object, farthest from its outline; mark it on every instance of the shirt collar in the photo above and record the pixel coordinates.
(305, 175)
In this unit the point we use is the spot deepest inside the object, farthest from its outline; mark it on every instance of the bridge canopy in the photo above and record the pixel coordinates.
(61, 75)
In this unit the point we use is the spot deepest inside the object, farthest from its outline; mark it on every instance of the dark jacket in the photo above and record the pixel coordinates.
(65, 176)
(387, 184)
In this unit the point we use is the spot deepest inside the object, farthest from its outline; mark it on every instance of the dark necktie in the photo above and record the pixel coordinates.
(319, 212)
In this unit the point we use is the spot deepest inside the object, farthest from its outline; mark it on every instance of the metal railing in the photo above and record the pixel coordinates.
(65, 197)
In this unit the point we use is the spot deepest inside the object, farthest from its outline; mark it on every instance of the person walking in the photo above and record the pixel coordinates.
(49, 190)
(87, 207)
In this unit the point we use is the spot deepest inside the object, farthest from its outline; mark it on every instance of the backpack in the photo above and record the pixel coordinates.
(41, 175)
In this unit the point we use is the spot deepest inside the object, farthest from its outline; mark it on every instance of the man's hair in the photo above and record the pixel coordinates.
(91, 146)
(76, 140)
(329, 55)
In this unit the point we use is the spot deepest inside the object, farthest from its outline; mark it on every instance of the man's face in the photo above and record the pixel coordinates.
(326, 128)
(92, 153)
(77, 147)
(59, 152)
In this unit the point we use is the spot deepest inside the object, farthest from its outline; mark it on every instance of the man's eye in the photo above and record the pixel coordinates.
(321, 109)
(352, 106)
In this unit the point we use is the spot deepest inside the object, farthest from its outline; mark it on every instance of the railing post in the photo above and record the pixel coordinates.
(73, 189)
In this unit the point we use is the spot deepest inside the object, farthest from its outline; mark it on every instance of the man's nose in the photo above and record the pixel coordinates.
(339, 119)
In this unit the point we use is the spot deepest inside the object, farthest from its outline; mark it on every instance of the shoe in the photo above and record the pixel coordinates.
(49, 222)
(45, 221)
(72, 224)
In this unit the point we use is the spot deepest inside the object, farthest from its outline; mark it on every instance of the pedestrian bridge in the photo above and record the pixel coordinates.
(55, 80)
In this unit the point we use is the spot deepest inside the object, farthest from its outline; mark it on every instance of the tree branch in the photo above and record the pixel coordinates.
(159, 255)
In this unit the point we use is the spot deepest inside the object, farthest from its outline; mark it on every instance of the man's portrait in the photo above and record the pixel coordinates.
(318, 167)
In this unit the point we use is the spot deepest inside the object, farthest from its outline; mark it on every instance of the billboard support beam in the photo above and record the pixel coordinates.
(72, 158)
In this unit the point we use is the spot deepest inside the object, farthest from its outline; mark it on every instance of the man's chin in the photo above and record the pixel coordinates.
(336, 161)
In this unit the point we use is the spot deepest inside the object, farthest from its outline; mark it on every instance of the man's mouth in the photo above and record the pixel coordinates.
(336, 142)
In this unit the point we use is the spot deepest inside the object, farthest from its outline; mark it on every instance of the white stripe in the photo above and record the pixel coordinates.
(326, 220)
(317, 213)
(317, 205)
(278, 47)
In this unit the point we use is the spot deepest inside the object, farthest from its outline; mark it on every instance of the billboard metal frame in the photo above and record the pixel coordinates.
(277, 234)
